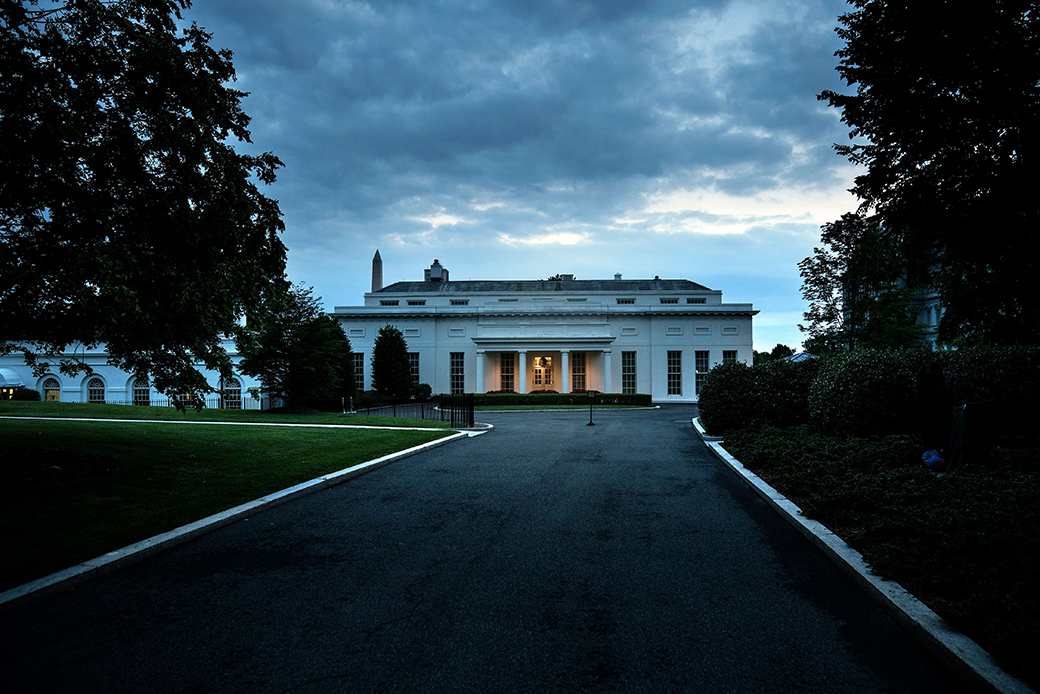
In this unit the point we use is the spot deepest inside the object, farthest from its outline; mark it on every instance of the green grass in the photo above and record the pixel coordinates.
(966, 543)
(77, 410)
(122, 482)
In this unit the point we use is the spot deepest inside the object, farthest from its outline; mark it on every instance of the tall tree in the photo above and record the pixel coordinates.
(946, 120)
(298, 351)
(127, 217)
(391, 373)
(856, 287)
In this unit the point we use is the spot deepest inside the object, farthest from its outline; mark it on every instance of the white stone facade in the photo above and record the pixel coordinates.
(112, 385)
(641, 336)
(656, 336)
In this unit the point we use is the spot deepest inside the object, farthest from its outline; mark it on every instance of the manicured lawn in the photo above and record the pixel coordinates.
(71, 490)
(69, 409)
(966, 543)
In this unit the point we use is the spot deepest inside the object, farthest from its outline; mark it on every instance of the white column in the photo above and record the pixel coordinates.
(606, 371)
(522, 373)
(480, 372)
(565, 376)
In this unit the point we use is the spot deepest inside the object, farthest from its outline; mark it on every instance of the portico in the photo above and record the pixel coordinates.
(526, 364)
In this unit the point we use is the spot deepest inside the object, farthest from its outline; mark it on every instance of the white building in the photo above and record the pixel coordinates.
(110, 384)
(656, 336)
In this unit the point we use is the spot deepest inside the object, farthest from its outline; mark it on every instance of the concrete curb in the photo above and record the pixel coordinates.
(30, 592)
(968, 661)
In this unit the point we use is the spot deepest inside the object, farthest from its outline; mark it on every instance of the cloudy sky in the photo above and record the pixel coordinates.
(518, 139)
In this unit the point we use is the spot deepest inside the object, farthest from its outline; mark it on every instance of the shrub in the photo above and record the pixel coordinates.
(868, 392)
(25, 394)
(724, 398)
(737, 396)
(874, 392)
(551, 398)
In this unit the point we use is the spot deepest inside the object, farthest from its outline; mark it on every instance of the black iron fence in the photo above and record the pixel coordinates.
(455, 409)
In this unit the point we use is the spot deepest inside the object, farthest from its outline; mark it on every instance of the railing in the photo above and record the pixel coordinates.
(207, 403)
(456, 409)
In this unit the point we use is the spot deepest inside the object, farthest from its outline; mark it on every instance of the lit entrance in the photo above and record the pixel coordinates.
(543, 373)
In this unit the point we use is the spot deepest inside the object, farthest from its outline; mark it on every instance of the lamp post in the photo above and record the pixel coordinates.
(592, 396)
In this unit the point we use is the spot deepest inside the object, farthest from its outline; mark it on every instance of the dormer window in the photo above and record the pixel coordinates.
(389, 302)
(416, 302)
(626, 301)
(669, 301)
(698, 300)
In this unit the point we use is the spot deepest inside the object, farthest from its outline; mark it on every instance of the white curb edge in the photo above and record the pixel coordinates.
(32, 591)
(968, 661)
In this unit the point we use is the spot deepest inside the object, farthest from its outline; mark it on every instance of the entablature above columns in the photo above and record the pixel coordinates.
(544, 343)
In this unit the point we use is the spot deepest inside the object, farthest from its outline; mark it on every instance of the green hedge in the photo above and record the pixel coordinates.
(737, 396)
(25, 394)
(871, 392)
(632, 399)
(874, 392)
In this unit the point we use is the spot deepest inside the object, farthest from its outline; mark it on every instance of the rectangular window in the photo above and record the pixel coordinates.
(695, 301)
(458, 374)
(359, 370)
(675, 373)
(460, 302)
(416, 302)
(700, 366)
(626, 301)
(413, 365)
(669, 301)
(506, 370)
(729, 356)
(628, 372)
(389, 302)
(577, 372)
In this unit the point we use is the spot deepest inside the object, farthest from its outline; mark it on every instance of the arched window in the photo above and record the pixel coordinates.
(51, 390)
(142, 392)
(232, 393)
(96, 391)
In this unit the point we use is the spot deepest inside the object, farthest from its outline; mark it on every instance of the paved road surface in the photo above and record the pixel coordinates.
(546, 556)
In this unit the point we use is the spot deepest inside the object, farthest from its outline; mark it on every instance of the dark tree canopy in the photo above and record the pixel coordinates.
(856, 288)
(391, 373)
(298, 351)
(126, 215)
(946, 120)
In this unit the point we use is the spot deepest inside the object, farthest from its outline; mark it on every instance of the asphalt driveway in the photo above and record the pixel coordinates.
(545, 556)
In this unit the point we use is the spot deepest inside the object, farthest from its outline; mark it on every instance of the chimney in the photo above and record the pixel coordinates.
(617, 276)
(436, 272)
(377, 272)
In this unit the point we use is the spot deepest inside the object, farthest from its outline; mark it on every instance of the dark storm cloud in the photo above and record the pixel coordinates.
(479, 123)
(514, 96)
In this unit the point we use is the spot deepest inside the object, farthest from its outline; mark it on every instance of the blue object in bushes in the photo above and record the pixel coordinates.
(932, 459)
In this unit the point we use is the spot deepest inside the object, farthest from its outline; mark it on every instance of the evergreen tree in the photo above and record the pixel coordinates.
(391, 373)
(298, 351)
